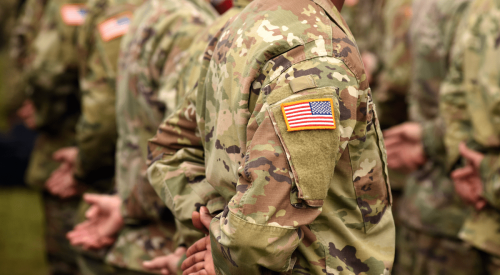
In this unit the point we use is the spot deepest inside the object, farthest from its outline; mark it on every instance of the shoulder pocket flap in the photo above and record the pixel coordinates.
(311, 153)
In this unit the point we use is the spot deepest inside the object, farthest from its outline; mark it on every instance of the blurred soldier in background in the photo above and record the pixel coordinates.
(394, 81)
(49, 77)
(156, 41)
(178, 174)
(470, 100)
(431, 212)
(90, 165)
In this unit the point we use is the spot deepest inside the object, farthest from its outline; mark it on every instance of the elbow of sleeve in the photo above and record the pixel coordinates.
(242, 247)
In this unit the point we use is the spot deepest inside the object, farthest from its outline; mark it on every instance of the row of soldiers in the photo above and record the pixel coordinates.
(253, 122)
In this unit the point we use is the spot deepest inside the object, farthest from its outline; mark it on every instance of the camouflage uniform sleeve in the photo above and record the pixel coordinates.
(281, 187)
(21, 42)
(452, 102)
(53, 76)
(490, 175)
(177, 169)
(481, 73)
(96, 128)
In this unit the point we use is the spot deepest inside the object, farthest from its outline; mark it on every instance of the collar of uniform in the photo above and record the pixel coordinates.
(334, 14)
(241, 3)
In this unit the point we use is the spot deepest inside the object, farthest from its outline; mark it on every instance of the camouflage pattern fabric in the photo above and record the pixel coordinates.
(99, 45)
(157, 39)
(60, 218)
(365, 18)
(24, 32)
(469, 103)
(151, 52)
(177, 171)
(288, 212)
(395, 77)
(430, 202)
(421, 253)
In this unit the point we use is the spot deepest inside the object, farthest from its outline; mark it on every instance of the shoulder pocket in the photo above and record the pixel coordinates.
(306, 124)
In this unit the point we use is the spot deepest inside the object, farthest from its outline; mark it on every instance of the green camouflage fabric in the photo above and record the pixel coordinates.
(395, 76)
(151, 52)
(96, 128)
(22, 36)
(177, 171)
(421, 253)
(60, 218)
(52, 77)
(365, 18)
(158, 37)
(293, 209)
(470, 103)
(430, 203)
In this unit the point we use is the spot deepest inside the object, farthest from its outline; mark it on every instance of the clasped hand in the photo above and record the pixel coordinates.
(61, 182)
(467, 180)
(405, 151)
(104, 221)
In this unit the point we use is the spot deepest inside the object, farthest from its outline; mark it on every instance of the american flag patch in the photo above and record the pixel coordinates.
(115, 27)
(309, 114)
(74, 15)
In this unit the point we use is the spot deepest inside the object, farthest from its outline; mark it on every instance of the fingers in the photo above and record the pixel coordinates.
(92, 212)
(194, 269)
(480, 204)
(93, 198)
(193, 259)
(462, 173)
(160, 263)
(205, 217)
(473, 156)
(196, 218)
(200, 245)
(395, 131)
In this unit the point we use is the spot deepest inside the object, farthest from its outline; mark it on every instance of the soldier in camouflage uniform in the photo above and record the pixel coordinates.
(93, 169)
(431, 213)
(297, 217)
(51, 79)
(394, 81)
(469, 103)
(179, 178)
(157, 38)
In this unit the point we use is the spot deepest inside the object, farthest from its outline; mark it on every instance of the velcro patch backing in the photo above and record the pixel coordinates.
(311, 114)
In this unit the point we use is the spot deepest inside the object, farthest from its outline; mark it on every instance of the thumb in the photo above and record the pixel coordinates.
(205, 217)
(92, 198)
(472, 156)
